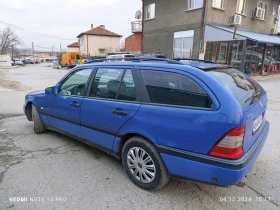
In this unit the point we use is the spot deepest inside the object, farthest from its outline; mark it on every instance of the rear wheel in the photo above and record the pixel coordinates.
(38, 124)
(143, 164)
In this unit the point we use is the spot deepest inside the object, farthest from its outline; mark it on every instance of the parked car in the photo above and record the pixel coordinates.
(119, 57)
(152, 56)
(28, 61)
(203, 122)
(19, 62)
(37, 62)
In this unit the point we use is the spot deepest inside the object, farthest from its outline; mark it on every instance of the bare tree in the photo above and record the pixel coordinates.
(8, 38)
(122, 45)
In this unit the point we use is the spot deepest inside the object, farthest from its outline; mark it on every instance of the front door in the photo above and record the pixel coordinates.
(63, 109)
(111, 103)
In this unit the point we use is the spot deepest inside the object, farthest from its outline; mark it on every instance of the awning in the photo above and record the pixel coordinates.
(254, 36)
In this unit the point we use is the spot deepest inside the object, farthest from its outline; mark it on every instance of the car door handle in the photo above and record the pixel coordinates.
(118, 112)
(75, 105)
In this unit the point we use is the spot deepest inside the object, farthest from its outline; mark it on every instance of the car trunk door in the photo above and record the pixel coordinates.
(255, 118)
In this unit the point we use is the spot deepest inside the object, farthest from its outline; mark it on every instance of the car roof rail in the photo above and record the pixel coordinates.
(193, 59)
(136, 59)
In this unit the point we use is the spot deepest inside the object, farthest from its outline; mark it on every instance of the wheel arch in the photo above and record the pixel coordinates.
(28, 110)
(126, 137)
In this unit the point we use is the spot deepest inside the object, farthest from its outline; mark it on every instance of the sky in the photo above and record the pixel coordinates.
(66, 19)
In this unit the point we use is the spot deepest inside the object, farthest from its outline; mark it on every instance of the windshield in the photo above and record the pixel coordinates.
(246, 90)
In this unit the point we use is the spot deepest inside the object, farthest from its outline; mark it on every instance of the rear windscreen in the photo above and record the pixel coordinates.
(246, 90)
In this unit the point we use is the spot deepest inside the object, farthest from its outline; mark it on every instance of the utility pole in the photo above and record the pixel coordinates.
(33, 50)
(12, 52)
(52, 50)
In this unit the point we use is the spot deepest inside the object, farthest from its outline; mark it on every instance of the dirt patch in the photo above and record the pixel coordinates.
(10, 85)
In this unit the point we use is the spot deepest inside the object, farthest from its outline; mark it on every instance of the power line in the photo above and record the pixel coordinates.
(33, 32)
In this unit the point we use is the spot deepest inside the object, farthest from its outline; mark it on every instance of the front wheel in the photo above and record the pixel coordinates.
(38, 124)
(143, 164)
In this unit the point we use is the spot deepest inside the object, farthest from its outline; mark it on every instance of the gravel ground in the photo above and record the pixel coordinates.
(51, 171)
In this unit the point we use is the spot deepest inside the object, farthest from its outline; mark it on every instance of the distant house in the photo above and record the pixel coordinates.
(98, 41)
(74, 47)
(133, 43)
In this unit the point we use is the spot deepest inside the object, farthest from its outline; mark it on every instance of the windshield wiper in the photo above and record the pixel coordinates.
(253, 96)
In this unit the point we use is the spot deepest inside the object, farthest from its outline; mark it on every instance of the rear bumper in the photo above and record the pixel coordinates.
(211, 170)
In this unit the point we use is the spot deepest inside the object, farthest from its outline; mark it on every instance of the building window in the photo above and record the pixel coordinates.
(264, 12)
(150, 11)
(223, 52)
(218, 4)
(241, 7)
(211, 51)
(194, 4)
(183, 44)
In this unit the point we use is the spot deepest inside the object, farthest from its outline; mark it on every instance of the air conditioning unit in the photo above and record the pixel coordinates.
(258, 13)
(235, 20)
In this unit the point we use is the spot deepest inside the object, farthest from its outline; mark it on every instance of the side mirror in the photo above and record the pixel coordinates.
(50, 90)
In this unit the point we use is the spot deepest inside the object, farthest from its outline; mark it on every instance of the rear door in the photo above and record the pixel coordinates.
(111, 102)
(252, 99)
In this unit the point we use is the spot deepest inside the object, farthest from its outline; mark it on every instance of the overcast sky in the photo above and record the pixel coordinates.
(66, 18)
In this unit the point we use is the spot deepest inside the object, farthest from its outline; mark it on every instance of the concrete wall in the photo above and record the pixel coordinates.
(110, 44)
(217, 16)
(170, 17)
(5, 60)
(73, 49)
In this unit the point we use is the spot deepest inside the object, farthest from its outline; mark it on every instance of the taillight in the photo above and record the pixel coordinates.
(231, 145)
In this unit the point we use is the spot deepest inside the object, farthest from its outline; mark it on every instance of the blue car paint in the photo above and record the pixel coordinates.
(205, 126)
(97, 114)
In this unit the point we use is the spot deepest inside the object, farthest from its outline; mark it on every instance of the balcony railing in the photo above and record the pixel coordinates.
(136, 26)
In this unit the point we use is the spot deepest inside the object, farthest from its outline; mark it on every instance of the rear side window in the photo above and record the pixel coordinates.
(72, 57)
(243, 88)
(127, 90)
(106, 83)
(175, 89)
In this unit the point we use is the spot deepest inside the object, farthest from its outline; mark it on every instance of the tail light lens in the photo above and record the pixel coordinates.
(230, 146)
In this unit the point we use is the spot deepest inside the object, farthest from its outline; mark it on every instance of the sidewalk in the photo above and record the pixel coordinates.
(263, 78)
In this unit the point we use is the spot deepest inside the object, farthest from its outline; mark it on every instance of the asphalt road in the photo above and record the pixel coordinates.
(51, 171)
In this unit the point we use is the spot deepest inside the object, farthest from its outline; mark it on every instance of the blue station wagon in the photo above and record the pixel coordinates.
(203, 122)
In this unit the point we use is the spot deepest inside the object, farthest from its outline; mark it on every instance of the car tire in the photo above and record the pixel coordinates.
(38, 124)
(156, 166)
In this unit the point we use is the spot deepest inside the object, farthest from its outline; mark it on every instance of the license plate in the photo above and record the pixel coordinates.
(257, 123)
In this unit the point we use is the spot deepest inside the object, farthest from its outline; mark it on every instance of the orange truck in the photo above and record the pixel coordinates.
(69, 59)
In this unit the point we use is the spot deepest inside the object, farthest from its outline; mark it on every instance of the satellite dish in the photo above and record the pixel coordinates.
(138, 15)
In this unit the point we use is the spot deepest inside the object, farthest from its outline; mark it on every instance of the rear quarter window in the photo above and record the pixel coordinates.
(239, 85)
(175, 89)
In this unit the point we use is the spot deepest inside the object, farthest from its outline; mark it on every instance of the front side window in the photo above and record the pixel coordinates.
(218, 4)
(241, 7)
(193, 4)
(150, 11)
(175, 89)
(106, 83)
(77, 57)
(75, 83)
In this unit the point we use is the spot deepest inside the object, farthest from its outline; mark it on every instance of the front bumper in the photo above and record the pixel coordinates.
(211, 170)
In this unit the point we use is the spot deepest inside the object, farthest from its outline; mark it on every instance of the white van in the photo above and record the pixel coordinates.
(119, 57)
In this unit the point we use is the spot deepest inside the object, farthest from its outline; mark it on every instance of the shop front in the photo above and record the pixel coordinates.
(251, 52)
